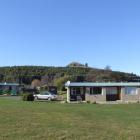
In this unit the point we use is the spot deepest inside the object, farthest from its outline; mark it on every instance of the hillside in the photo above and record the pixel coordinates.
(58, 75)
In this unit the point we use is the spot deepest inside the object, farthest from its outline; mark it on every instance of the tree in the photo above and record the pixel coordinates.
(107, 67)
(36, 83)
(75, 64)
(86, 65)
(1, 77)
(60, 82)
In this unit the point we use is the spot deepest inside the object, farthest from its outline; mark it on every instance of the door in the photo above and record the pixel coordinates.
(112, 93)
(77, 94)
(74, 93)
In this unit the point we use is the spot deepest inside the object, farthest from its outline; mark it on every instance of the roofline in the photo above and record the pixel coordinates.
(9, 84)
(107, 84)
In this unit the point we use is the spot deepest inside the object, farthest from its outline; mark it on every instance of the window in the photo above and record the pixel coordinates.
(96, 90)
(88, 90)
(75, 91)
(45, 93)
(130, 90)
(111, 90)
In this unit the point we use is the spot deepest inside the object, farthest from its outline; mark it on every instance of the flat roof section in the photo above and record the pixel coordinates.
(107, 84)
(9, 84)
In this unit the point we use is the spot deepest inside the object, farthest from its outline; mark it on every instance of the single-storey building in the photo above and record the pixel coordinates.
(9, 88)
(102, 92)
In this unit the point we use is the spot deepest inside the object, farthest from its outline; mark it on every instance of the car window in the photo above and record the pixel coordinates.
(44, 93)
(47, 92)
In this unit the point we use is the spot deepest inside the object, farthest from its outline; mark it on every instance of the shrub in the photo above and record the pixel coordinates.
(88, 102)
(1, 92)
(94, 102)
(28, 97)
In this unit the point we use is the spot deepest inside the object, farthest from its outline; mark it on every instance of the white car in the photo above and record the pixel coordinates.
(46, 96)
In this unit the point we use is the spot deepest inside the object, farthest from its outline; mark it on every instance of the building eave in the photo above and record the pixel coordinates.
(107, 84)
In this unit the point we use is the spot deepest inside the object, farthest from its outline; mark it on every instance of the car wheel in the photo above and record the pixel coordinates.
(49, 99)
(36, 98)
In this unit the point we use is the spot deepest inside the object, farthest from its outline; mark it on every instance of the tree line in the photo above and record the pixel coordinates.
(59, 75)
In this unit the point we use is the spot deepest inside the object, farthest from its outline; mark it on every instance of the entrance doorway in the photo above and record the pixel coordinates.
(113, 93)
(77, 94)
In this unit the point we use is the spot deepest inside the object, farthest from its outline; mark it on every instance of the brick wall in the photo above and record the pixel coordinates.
(95, 98)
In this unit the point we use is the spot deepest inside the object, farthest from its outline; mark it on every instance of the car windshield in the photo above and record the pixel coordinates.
(44, 93)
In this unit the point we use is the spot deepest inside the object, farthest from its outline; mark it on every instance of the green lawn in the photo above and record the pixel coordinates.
(54, 121)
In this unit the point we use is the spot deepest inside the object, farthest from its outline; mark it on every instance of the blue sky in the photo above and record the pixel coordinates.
(57, 32)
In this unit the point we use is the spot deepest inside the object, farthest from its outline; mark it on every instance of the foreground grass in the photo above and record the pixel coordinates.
(53, 121)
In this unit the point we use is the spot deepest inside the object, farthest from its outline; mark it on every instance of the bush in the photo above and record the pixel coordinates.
(88, 102)
(28, 97)
(94, 102)
(1, 92)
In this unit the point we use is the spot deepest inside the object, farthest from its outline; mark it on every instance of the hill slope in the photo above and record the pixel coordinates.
(53, 75)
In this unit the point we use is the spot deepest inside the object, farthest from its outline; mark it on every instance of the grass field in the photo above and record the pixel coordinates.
(54, 121)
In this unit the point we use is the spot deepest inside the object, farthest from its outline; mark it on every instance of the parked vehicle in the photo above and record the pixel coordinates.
(46, 96)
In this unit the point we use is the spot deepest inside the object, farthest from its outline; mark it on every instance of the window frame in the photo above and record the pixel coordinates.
(111, 91)
(92, 91)
(127, 88)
